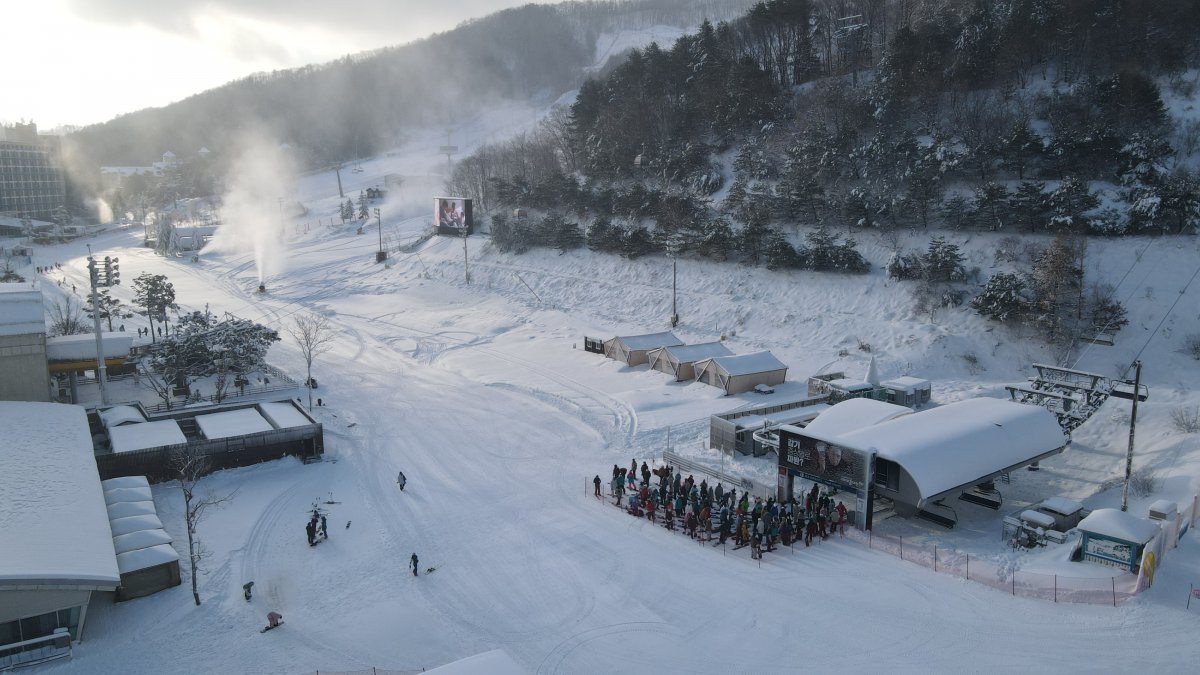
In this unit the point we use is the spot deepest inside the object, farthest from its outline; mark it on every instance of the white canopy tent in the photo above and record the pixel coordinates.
(680, 360)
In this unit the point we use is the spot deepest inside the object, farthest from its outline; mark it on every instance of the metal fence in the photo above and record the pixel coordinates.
(1051, 587)
(688, 466)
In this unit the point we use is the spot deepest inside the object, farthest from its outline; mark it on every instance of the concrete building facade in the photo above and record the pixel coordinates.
(31, 181)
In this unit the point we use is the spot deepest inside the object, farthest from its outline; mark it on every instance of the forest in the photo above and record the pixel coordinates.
(757, 138)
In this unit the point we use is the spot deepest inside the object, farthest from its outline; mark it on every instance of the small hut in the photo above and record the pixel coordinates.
(741, 373)
(1115, 538)
(680, 361)
(635, 349)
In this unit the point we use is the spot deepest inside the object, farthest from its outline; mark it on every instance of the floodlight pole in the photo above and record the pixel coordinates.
(382, 255)
(101, 367)
(1137, 385)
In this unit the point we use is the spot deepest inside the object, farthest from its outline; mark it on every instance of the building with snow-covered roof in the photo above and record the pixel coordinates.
(912, 392)
(916, 460)
(741, 373)
(55, 542)
(1115, 538)
(77, 353)
(23, 373)
(679, 361)
(145, 559)
(635, 349)
(228, 435)
(854, 414)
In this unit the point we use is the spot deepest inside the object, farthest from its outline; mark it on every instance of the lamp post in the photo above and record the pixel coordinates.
(381, 255)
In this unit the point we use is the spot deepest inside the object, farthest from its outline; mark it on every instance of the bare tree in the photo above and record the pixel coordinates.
(190, 466)
(66, 317)
(313, 335)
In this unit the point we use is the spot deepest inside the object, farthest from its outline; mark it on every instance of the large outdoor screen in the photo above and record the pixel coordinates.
(452, 215)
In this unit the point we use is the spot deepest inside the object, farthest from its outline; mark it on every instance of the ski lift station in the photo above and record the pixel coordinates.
(917, 460)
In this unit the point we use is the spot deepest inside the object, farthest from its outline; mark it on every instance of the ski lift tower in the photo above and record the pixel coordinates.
(449, 151)
(849, 38)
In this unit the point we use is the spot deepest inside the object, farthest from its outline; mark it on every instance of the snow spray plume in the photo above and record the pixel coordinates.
(258, 188)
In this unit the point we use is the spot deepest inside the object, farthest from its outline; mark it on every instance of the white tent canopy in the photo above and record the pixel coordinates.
(740, 373)
(232, 423)
(133, 437)
(121, 414)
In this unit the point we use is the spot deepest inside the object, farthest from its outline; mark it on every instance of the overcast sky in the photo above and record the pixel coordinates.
(86, 61)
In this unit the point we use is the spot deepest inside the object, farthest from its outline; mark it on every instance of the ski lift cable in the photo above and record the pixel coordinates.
(1162, 320)
(1136, 259)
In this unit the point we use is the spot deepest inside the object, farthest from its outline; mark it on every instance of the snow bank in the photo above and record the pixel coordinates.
(21, 309)
(495, 662)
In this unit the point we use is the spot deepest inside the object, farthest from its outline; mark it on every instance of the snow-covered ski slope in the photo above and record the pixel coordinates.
(482, 394)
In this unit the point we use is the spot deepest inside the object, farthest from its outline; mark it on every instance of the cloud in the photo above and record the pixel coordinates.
(373, 22)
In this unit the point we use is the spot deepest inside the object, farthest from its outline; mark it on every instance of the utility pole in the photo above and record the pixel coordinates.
(674, 310)
(466, 270)
(382, 254)
(1137, 384)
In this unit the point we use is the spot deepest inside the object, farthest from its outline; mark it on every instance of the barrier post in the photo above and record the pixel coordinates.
(968, 567)
(1056, 588)
(935, 557)
(1015, 582)
(1114, 586)
(902, 548)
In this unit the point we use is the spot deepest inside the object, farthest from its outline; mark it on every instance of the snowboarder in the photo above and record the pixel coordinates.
(401, 480)
(311, 529)
(246, 588)
(596, 482)
(274, 620)
(413, 563)
(324, 532)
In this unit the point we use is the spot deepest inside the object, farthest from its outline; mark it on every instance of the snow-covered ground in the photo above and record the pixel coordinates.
(483, 395)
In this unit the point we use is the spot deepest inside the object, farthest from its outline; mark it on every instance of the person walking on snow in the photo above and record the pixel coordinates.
(413, 563)
(596, 482)
(401, 480)
(324, 532)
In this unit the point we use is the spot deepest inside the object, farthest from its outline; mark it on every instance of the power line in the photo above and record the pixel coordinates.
(1162, 320)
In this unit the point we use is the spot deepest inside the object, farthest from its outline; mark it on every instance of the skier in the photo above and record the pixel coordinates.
(413, 563)
(596, 482)
(311, 529)
(401, 480)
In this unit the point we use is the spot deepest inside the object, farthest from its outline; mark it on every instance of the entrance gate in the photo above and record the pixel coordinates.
(820, 461)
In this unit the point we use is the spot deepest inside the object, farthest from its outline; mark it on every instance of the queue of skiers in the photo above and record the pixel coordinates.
(706, 511)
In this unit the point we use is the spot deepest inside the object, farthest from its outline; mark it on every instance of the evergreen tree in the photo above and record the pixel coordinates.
(990, 211)
(1028, 205)
(717, 241)
(155, 295)
(363, 211)
(604, 237)
(1002, 298)
(108, 307)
